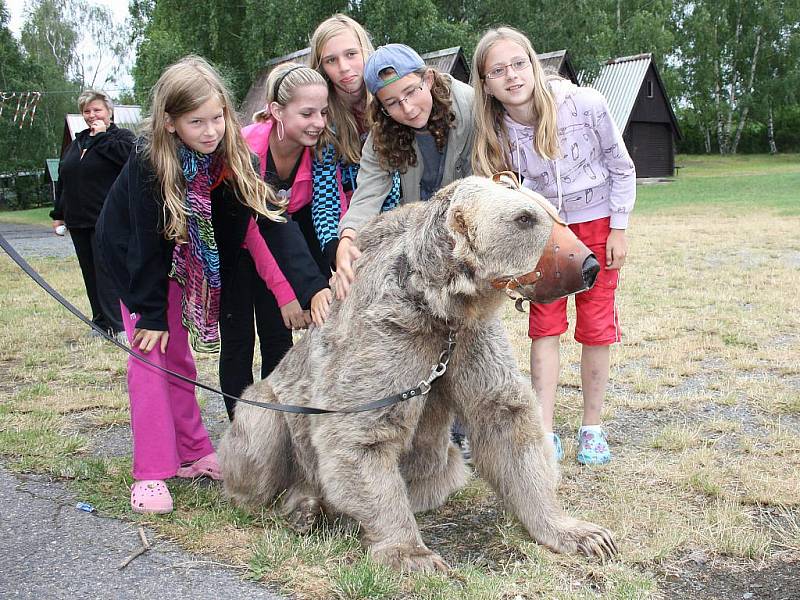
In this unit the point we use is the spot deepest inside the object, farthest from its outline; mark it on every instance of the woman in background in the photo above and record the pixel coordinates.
(86, 172)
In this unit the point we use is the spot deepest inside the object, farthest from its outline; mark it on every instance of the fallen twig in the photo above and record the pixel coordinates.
(145, 547)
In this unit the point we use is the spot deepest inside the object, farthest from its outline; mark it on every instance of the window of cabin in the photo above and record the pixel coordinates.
(649, 84)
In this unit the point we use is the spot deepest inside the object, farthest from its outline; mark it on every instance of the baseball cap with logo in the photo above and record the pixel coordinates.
(399, 57)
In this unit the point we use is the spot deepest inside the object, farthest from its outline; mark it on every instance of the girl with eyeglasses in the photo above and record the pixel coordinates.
(421, 126)
(563, 143)
(339, 49)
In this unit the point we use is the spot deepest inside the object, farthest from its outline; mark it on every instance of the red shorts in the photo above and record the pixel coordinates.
(597, 322)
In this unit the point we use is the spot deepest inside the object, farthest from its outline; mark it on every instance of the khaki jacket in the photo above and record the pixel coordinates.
(374, 183)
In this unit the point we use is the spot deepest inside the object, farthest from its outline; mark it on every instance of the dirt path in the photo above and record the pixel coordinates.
(36, 241)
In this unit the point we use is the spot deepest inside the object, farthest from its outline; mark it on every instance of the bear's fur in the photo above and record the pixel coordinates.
(425, 270)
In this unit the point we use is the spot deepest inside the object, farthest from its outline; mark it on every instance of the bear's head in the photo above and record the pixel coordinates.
(514, 239)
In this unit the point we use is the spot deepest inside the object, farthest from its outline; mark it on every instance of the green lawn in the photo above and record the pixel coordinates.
(33, 216)
(757, 181)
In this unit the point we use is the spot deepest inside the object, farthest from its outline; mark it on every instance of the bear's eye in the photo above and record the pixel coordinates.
(525, 219)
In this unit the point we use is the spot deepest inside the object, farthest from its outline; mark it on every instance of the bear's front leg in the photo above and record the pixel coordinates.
(364, 482)
(510, 449)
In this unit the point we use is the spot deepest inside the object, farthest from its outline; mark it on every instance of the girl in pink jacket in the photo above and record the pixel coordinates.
(283, 136)
(562, 142)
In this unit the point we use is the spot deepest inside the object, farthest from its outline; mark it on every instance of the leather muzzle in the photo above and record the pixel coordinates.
(566, 266)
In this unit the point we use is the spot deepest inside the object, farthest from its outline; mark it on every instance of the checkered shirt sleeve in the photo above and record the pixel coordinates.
(326, 205)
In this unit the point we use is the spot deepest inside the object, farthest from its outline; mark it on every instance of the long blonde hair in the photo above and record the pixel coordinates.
(347, 142)
(490, 150)
(182, 88)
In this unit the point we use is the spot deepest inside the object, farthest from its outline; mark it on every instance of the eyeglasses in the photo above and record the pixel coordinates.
(394, 105)
(518, 64)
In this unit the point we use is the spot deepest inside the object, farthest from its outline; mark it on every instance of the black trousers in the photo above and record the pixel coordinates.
(250, 299)
(103, 297)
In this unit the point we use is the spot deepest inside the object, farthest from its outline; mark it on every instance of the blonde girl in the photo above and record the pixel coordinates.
(171, 231)
(562, 141)
(339, 49)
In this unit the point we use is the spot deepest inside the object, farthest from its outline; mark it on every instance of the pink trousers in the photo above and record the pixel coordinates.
(167, 428)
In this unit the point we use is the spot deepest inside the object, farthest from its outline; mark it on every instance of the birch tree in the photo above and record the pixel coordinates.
(729, 52)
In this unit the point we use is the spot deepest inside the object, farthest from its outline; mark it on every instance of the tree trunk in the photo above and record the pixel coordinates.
(773, 148)
(707, 136)
(718, 103)
(743, 117)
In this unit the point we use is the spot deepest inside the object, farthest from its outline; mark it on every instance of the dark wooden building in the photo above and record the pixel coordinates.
(642, 110)
(449, 60)
(257, 94)
(559, 63)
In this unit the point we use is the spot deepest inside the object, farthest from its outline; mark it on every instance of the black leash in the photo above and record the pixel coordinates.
(422, 388)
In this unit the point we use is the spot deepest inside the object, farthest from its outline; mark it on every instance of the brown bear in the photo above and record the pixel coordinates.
(425, 274)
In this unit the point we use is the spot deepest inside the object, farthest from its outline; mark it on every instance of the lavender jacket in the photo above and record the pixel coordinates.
(597, 174)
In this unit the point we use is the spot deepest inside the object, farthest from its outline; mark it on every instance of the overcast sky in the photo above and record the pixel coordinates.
(119, 9)
(16, 8)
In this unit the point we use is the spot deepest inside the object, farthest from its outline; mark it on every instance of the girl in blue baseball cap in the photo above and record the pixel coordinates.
(421, 126)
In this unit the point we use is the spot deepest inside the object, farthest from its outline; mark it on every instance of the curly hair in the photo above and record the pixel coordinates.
(394, 142)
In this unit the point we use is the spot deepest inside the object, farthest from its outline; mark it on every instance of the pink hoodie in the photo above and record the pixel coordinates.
(597, 176)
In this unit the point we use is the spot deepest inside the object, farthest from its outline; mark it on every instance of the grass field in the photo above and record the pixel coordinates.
(703, 413)
(33, 216)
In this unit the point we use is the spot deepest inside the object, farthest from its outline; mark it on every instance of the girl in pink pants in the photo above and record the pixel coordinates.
(167, 428)
(171, 231)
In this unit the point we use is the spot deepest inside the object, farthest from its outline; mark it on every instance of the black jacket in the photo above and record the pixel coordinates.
(139, 258)
(84, 182)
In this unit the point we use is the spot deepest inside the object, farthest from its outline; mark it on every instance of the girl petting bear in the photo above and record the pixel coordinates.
(176, 223)
(421, 126)
(283, 137)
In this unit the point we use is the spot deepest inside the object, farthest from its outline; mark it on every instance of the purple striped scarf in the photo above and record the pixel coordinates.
(195, 264)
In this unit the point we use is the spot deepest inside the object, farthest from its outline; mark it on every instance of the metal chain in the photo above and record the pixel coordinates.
(440, 367)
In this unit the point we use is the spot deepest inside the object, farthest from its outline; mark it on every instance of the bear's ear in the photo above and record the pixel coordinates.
(460, 223)
(457, 221)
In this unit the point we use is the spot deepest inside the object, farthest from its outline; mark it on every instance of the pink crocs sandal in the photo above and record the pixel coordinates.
(202, 467)
(150, 496)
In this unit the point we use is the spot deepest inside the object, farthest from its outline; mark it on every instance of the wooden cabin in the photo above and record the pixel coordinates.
(641, 108)
(559, 63)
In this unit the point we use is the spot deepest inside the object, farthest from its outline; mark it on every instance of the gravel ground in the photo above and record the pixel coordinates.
(36, 241)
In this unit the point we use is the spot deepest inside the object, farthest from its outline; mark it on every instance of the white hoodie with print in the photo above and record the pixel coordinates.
(596, 173)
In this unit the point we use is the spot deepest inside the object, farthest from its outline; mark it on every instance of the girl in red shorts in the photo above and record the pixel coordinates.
(562, 140)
